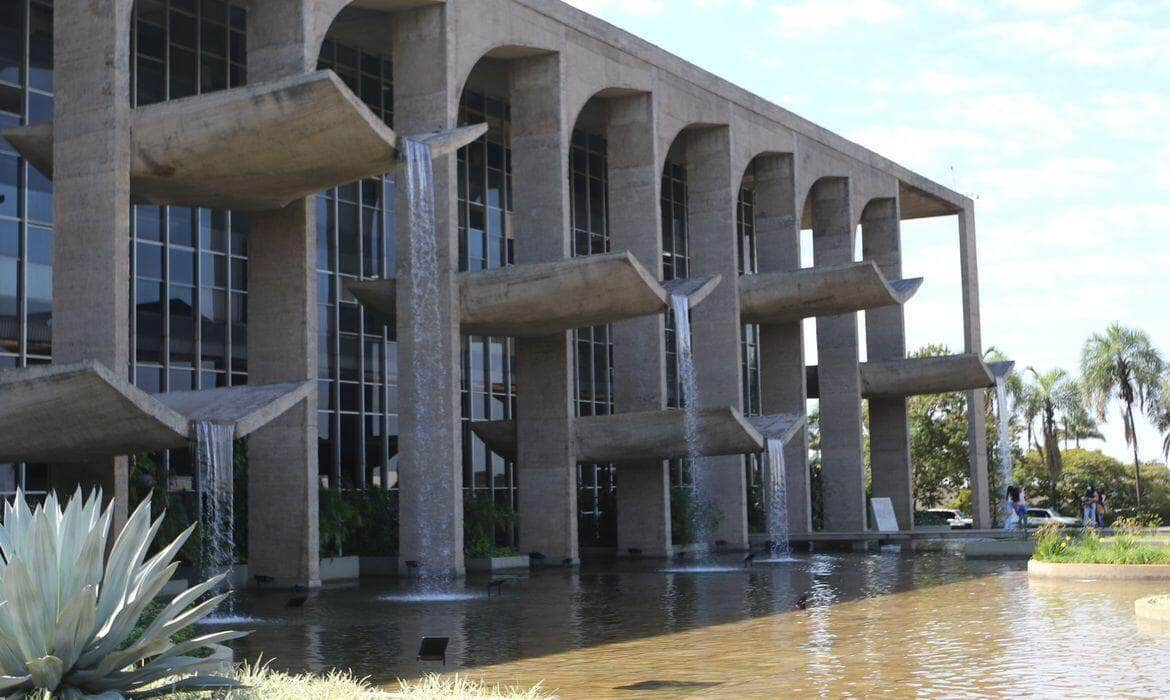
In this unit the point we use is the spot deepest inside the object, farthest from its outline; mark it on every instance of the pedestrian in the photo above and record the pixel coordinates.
(1011, 519)
(1101, 509)
(1089, 507)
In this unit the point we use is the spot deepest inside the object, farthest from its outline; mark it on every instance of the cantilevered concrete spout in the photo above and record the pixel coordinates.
(696, 289)
(78, 412)
(252, 148)
(544, 298)
(778, 426)
(829, 290)
(638, 437)
(918, 376)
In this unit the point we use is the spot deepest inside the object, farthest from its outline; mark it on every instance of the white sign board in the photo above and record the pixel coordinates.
(883, 514)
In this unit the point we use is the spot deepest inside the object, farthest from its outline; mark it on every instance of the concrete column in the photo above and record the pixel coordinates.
(712, 195)
(973, 342)
(885, 339)
(782, 374)
(635, 224)
(545, 461)
(282, 338)
(430, 431)
(91, 181)
(842, 467)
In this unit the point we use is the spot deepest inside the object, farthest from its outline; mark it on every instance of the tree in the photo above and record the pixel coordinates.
(1122, 364)
(1160, 412)
(1045, 398)
(1078, 424)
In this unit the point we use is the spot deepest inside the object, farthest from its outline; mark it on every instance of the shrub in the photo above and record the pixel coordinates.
(1054, 544)
(483, 517)
(67, 613)
(690, 516)
(925, 518)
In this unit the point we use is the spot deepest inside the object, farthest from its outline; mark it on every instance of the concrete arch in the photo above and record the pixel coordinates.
(576, 105)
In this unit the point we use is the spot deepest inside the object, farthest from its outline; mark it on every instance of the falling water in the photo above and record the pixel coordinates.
(434, 548)
(215, 491)
(1005, 438)
(775, 483)
(680, 305)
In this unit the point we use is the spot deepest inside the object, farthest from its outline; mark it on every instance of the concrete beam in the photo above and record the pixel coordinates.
(828, 290)
(83, 411)
(639, 437)
(917, 376)
(252, 148)
(538, 299)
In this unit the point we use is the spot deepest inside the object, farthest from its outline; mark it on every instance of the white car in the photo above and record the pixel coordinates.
(957, 520)
(1047, 516)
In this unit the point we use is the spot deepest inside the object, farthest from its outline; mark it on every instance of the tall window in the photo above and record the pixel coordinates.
(750, 333)
(593, 347)
(486, 242)
(675, 265)
(189, 278)
(26, 207)
(356, 351)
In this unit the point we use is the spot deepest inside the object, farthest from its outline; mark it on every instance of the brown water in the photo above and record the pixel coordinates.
(828, 625)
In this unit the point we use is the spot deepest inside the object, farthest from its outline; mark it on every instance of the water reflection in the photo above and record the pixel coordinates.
(927, 624)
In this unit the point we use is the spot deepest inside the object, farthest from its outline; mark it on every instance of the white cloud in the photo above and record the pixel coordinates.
(805, 17)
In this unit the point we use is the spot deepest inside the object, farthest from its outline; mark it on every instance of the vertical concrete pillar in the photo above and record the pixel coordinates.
(885, 339)
(712, 193)
(973, 341)
(639, 358)
(546, 464)
(282, 337)
(842, 467)
(91, 181)
(430, 433)
(782, 365)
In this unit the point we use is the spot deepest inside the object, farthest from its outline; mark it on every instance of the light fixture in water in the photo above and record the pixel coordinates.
(433, 649)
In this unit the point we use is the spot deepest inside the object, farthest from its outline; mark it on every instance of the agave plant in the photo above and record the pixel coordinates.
(67, 612)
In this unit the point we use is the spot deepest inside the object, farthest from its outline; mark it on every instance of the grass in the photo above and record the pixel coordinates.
(1130, 544)
(261, 682)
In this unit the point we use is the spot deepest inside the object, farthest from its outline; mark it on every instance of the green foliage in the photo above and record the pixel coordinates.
(483, 517)
(690, 515)
(67, 613)
(939, 447)
(929, 519)
(360, 522)
(1129, 545)
(757, 518)
(1047, 398)
(1083, 468)
(337, 519)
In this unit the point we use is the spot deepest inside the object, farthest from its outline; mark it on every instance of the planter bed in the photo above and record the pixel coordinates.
(1100, 572)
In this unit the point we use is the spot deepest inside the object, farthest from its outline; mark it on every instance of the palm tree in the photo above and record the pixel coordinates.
(1047, 397)
(1122, 364)
(1077, 424)
(1160, 413)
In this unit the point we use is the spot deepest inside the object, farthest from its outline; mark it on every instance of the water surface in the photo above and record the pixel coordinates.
(851, 624)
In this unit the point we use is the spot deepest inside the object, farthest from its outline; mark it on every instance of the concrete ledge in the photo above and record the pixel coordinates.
(493, 564)
(999, 549)
(828, 290)
(340, 568)
(916, 377)
(635, 437)
(1099, 572)
(1155, 608)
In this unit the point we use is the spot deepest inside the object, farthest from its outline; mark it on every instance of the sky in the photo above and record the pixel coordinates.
(1052, 115)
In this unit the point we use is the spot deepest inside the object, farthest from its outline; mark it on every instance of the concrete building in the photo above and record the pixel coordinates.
(215, 210)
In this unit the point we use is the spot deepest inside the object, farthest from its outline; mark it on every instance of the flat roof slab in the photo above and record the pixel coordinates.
(828, 290)
(917, 376)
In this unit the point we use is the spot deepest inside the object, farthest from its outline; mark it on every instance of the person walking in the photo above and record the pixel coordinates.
(1101, 509)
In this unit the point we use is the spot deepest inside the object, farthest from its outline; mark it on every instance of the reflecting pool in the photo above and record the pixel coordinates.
(927, 624)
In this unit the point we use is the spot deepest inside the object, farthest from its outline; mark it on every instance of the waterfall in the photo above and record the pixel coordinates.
(427, 361)
(680, 305)
(775, 489)
(1005, 438)
(215, 492)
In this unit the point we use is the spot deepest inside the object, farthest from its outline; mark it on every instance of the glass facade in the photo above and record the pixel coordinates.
(750, 333)
(675, 265)
(593, 347)
(26, 206)
(486, 242)
(357, 417)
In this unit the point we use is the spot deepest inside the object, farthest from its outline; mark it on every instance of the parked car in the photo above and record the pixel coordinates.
(957, 520)
(1047, 516)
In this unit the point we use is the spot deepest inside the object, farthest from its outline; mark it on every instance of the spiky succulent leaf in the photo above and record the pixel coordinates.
(66, 611)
